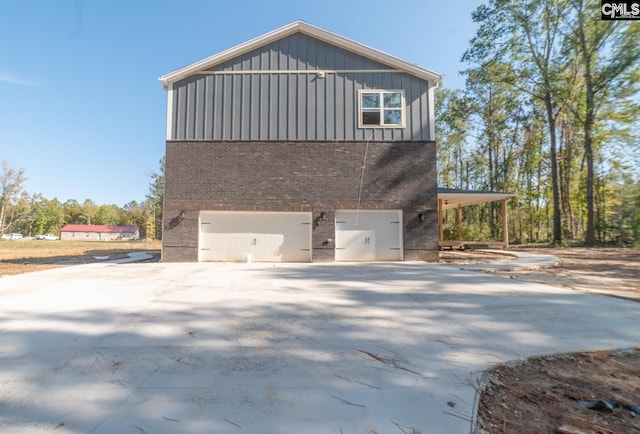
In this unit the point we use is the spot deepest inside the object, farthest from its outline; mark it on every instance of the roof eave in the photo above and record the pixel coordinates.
(309, 29)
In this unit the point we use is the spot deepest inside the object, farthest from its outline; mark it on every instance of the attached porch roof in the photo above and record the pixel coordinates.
(452, 197)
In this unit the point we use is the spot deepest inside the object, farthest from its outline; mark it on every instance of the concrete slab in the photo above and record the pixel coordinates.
(304, 348)
(132, 257)
(519, 261)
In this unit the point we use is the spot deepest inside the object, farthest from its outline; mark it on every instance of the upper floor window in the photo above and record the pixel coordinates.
(380, 108)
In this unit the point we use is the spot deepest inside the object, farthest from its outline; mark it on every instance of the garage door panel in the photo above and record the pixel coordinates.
(265, 236)
(368, 235)
(223, 247)
(355, 244)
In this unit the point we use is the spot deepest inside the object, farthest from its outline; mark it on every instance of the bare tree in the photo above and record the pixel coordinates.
(11, 189)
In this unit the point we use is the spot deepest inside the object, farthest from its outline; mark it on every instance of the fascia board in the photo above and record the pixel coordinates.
(311, 30)
(466, 199)
(371, 53)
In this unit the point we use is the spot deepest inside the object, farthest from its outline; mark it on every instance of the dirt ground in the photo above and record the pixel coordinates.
(26, 256)
(537, 395)
(550, 394)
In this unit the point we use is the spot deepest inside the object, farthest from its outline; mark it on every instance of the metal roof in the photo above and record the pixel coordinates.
(98, 228)
(452, 197)
(311, 30)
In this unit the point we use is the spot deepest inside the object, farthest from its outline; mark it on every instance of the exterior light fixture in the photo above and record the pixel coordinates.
(182, 215)
(323, 216)
(421, 217)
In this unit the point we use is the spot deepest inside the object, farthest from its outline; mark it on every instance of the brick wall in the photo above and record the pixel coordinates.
(300, 176)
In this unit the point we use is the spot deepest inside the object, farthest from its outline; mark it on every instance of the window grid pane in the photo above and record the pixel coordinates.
(381, 108)
(371, 117)
(370, 100)
(392, 117)
(393, 100)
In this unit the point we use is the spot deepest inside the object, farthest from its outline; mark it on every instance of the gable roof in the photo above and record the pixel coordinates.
(98, 228)
(311, 30)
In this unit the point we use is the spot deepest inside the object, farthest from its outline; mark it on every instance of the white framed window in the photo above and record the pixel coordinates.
(381, 108)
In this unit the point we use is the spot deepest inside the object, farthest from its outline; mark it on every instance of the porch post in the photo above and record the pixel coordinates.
(459, 222)
(505, 224)
(440, 223)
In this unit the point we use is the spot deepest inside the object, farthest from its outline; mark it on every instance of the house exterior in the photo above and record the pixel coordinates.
(99, 233)
(300, 145)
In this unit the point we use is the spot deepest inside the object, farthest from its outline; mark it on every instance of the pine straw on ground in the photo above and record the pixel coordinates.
(543, 394)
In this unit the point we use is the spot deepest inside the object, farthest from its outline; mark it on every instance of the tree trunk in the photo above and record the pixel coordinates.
(590, 233)
(557, 217)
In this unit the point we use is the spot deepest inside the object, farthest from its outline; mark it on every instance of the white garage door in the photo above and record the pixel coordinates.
(369, 235)
(265, 236)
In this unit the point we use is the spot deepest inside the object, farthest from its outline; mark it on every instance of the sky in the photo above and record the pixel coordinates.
(81, 107)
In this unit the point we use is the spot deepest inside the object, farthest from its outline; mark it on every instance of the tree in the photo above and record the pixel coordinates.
(452, 121)
(609, 56)
(11, 189)
(155, 201)
(89, 210)
(496, 123)
(625, 211)
(73, 212)
(525, 35)
(107, 215)
(48, 216)
(135, 214)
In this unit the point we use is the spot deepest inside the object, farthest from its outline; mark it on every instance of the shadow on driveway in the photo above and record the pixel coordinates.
(310, 348)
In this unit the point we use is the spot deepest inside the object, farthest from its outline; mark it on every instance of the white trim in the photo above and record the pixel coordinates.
(381, 109)
(297, 71)
(431, 111)
(311, 30)
(453, 199)
(169, 112)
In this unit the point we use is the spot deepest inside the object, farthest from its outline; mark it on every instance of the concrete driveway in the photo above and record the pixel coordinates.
(258, 348)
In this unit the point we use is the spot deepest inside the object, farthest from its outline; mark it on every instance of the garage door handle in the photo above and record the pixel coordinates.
(394, 248)
(341, 248)
(205, 249)
(205, 223)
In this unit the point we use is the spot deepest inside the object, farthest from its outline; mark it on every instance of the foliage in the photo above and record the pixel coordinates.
(12, 197)
(155, 200)
(33, 215)
(551, 113)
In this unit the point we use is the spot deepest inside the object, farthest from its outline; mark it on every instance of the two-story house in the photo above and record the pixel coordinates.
(300, 145)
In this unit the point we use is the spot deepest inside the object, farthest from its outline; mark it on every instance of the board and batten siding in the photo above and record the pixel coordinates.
(267, 95)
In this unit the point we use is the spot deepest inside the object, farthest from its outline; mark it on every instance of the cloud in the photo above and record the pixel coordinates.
(14, 79)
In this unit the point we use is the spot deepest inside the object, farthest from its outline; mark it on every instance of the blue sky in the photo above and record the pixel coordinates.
(81, 107)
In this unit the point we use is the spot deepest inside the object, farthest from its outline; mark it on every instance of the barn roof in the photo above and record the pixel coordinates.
(313, 31)
(98, 228)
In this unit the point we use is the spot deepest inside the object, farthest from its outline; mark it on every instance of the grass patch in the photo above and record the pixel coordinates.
(41, 249)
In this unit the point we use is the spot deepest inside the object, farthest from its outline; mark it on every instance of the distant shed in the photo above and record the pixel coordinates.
(99, 233)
